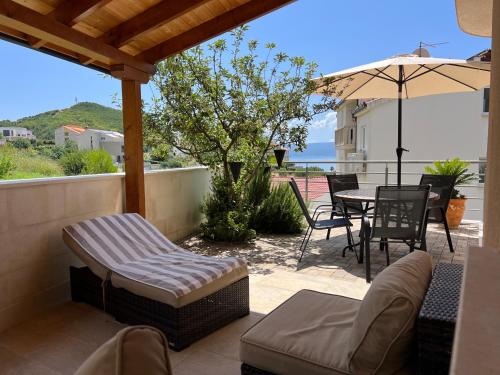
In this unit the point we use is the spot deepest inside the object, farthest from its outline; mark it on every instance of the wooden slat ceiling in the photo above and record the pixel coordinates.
(123, 37)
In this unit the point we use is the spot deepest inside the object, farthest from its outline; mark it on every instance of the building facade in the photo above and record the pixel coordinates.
(14, 132)
(92, 139)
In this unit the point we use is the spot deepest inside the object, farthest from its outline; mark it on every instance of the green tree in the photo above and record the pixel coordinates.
(98, 161)
(233, 100)
(73, 163)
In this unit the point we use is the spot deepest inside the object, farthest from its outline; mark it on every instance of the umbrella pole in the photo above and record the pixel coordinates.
(399, 150)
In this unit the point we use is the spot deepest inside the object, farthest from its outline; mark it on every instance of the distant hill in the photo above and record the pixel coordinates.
(93, 115)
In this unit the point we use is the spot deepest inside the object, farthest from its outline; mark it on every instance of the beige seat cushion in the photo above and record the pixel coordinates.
(383, 331)
(137, 350)
(307, 334)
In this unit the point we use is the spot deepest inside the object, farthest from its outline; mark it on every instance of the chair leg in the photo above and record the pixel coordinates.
(350, 240)
(329, 230)
(423, 242)
(387, 260)
(367, 260)
(305, 241)
(382, 244)
(447, 230)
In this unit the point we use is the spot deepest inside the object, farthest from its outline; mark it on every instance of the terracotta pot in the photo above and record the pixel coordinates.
(455, 212)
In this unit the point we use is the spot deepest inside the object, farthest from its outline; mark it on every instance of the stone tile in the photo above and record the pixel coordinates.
(207, 363)
(226, 341)
(14, 364)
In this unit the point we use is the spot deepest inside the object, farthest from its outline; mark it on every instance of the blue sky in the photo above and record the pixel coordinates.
(335, 34)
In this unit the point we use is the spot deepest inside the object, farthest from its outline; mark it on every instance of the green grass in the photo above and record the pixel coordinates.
(27, 164)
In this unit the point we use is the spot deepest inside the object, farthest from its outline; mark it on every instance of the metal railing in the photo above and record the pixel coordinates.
(372, 173)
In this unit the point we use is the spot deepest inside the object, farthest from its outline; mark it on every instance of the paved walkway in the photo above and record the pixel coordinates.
(59, 341)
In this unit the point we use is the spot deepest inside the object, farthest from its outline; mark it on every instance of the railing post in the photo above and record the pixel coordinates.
(307, 181)
(386, 174)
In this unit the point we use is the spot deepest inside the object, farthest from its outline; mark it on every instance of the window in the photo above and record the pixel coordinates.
(6, 133)
(351, 136)
(486, 100)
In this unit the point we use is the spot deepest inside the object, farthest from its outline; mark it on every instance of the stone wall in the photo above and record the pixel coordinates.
(34, 261)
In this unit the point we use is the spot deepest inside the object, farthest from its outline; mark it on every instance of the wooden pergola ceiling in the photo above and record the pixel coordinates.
(124, 38)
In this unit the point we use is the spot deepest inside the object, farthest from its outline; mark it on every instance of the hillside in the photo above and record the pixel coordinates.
(84, 114)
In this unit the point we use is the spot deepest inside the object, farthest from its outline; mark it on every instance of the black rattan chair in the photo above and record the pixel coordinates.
(313, 220)
(442, 185)
(399, 216)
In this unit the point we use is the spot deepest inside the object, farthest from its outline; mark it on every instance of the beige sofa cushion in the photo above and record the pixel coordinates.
(384, 326)
(137, 350)
(307, 334)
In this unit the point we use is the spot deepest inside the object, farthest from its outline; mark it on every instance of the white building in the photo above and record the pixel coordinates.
(13, 132)
(435, 127)
(92, 139)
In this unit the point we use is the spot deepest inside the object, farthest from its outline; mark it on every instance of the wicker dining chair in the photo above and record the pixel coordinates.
(313, 220)
(399, 216)
(442, 185)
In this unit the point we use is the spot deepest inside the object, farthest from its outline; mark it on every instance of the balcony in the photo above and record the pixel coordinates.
(345, 138)
(57, 341)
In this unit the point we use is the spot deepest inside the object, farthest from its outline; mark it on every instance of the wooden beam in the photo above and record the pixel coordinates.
(212, 28)
(70, 12)
(134, 162)
(28, 21)
(85, 60)
(35, 42)
(125, 72)
(153, 17)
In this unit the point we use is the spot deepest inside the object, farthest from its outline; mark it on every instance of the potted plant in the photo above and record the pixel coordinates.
(459, 169)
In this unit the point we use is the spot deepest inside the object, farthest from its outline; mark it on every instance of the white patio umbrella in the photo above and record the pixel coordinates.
(405, 76)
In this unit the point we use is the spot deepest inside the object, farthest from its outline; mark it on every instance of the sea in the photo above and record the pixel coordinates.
(322, 151)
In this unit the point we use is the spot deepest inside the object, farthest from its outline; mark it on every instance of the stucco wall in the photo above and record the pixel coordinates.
(34, 261)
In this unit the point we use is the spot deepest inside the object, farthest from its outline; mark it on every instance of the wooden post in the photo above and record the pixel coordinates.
(491, 196)
(134, 161)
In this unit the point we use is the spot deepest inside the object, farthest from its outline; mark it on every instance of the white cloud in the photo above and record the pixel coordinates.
(328, 121)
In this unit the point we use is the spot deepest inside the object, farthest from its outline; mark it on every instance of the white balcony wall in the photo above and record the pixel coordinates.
(34, 261)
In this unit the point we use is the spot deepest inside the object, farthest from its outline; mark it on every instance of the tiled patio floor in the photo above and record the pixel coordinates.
(59, 341)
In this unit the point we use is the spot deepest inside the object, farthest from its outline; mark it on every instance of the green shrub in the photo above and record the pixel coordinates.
(259, 188)
(226, 218)
(21, 143)
(280, 212)
(73, 163)
(6, 166)
(97, 162)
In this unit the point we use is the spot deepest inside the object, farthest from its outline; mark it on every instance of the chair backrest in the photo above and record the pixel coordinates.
(382, 335)
(341, 182)
(399, 212)
(302, 204)
(442, 185)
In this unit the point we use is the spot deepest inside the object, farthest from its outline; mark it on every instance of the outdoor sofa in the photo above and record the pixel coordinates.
(318, 333)
(140, 277)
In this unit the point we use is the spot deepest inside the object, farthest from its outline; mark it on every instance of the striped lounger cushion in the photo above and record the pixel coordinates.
(134, 255)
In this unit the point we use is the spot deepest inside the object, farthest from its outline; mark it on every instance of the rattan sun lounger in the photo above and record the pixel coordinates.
(140, 277)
